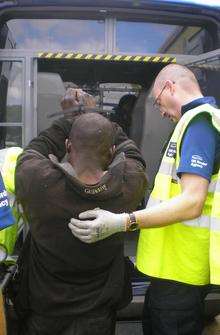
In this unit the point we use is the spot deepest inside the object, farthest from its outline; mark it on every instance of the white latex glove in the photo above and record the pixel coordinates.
(101, 225)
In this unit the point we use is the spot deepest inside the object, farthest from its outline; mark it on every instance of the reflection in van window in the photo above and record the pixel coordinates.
(76, 35)
(147, 37)
(11, 89)
(11, 92)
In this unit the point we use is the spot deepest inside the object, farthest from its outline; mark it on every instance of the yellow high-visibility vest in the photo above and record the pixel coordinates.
(8, 159)
(189, 251)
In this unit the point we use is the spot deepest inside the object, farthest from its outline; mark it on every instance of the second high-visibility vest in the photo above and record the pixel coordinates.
(8, 159)
(188, 251)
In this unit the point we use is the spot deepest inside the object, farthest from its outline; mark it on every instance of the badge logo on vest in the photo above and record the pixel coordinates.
(198, 161)
(171, 150)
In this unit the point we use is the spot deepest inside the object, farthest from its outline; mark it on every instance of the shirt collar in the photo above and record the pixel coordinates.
(197, 102)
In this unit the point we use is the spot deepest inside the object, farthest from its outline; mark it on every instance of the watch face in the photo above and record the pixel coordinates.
(133, 226)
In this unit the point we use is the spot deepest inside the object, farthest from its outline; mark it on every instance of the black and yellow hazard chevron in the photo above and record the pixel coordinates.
(108, 57)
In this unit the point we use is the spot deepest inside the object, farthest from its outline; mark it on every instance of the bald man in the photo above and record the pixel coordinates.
(180, 249)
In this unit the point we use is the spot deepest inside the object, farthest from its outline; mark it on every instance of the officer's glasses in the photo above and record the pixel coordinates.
(156, 101)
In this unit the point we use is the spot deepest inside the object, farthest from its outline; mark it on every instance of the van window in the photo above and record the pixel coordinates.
(147, 37)
(11, 103)
(76, 35)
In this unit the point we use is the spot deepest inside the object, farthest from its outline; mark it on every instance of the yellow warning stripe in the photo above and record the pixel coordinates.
(49, 55)
(157, 59)
(88, 56)
(137, 58)
(78, 56)
(97, 57)
(118, 57)
(108, 57)
(59, 55)
(68, 56)
(127, 58)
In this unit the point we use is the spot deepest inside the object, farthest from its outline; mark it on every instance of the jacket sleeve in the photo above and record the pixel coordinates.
(33, 164)
(124, 144)
(52, 140)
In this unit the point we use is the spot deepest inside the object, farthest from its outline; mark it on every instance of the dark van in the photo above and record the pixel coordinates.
(110, 49)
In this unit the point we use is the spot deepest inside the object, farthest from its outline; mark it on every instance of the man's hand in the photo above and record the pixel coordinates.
(101, 225)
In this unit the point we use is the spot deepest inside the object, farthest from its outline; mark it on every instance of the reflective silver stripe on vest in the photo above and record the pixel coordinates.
(204, 222)
(3, 153)
(168, 169)
(153, 202)
(11, 198)
(215, 224)
(214, 186)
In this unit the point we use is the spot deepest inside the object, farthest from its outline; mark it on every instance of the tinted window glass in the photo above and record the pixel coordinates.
(11, 93)
(76, 35)
(146, 37)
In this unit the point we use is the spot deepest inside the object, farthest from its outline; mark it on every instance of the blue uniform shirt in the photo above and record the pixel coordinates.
(6, 217)
(200, 149)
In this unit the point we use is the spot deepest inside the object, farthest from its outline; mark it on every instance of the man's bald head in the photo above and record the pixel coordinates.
(174, 87)
(180, 75)
(92, 137)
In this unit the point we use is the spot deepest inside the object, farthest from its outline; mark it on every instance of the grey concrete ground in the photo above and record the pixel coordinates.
(128, 328)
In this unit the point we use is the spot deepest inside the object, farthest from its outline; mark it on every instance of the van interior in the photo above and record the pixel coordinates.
(107, 82)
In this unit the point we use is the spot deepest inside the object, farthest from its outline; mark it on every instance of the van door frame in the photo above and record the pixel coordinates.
(27, 61)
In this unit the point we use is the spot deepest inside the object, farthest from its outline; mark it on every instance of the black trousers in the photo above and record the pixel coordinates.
(101, 322)
(173, 308)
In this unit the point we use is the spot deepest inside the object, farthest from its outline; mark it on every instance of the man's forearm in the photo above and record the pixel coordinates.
(186, 206)
(177, 209)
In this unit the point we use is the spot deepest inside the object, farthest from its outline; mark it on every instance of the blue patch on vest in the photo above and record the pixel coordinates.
(6, 217)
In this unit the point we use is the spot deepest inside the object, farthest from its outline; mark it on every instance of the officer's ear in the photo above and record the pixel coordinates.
(68, 146)
(171, 86)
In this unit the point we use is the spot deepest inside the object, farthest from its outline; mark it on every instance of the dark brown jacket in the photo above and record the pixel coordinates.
(65, 275)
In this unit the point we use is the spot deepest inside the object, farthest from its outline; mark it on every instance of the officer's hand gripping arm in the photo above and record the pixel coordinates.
(101, 224)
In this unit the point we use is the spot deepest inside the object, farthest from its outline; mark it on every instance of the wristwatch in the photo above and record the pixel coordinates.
(132, 224)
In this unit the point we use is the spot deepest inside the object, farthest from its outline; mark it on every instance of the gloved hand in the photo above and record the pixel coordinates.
(101, 225)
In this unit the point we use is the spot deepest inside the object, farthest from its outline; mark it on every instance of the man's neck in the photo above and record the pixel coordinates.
(88, 171)
(89, 176)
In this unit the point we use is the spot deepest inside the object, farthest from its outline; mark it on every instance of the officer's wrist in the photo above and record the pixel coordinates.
(131, 223)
